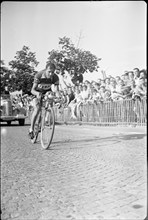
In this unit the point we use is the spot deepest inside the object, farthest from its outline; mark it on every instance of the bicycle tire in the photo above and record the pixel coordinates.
(36, 130)
(47, 127)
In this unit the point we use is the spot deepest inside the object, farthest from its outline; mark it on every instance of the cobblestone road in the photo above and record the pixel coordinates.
(89, 173)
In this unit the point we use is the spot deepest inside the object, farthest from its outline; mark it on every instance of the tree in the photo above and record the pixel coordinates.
(23, 70)
(5, 74)
(72, 58)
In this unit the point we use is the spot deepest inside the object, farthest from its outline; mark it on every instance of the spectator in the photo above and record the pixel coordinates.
(117, 94)
(97, 87)
(107, 96)
(102, 92)
(131, 79)
(63, 95)
(80, 87)
(75, 103)
(89, 95)
(126, 79)
(67, 79)
(131, 75)
(86, 82)
(70, 95)
(136, 75)
(112, 86)
(140, 90)
(117, 78)
(107, 83)
(62, 83)
(122, 77)
(142, 74)
(85, 94)
(128, 84)
(95, 98)
(89, 87)
(102, 83)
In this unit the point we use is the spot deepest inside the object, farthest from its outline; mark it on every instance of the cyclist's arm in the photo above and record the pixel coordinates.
(34, 91)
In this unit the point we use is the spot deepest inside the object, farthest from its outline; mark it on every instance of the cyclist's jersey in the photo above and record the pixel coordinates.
(43, 83)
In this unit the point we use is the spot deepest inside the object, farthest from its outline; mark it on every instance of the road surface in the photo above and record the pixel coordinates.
(89, 172)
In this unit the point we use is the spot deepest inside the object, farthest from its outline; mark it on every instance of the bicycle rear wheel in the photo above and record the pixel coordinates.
(37, 129)
(47, 128)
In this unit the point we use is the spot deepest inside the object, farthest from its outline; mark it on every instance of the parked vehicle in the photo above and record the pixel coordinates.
(9, 112)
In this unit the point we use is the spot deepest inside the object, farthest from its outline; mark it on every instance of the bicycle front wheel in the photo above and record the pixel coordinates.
(47, 128)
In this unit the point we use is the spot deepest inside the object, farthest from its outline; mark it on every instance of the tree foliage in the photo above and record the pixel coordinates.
(5, 74)
(72, 58)
(23, 70)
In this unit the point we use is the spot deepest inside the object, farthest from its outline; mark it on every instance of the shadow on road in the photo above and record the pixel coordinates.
(97, 141)
(117, 137)
(128, 136)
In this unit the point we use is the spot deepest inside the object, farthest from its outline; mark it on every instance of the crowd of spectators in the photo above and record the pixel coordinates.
(130, 85)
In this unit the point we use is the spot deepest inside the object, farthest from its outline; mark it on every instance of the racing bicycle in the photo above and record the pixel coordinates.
(45, 122)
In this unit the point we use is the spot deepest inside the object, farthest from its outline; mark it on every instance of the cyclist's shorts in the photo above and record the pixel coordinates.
(35, 102)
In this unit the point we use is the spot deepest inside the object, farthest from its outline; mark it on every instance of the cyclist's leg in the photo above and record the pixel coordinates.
(36, 109)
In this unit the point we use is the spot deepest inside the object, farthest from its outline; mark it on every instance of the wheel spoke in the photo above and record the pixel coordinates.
(47, 130)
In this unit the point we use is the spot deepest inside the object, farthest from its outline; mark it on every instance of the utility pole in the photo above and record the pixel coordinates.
(80, 37)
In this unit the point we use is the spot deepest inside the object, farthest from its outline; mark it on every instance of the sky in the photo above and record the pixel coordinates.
(114, 31)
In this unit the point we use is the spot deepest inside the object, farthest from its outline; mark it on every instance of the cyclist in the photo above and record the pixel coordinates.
(43, 81)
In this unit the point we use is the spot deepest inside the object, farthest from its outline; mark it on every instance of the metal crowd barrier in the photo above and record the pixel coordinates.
(111, 113)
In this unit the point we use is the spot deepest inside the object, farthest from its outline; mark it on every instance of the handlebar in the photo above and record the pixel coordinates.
(51, 98)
